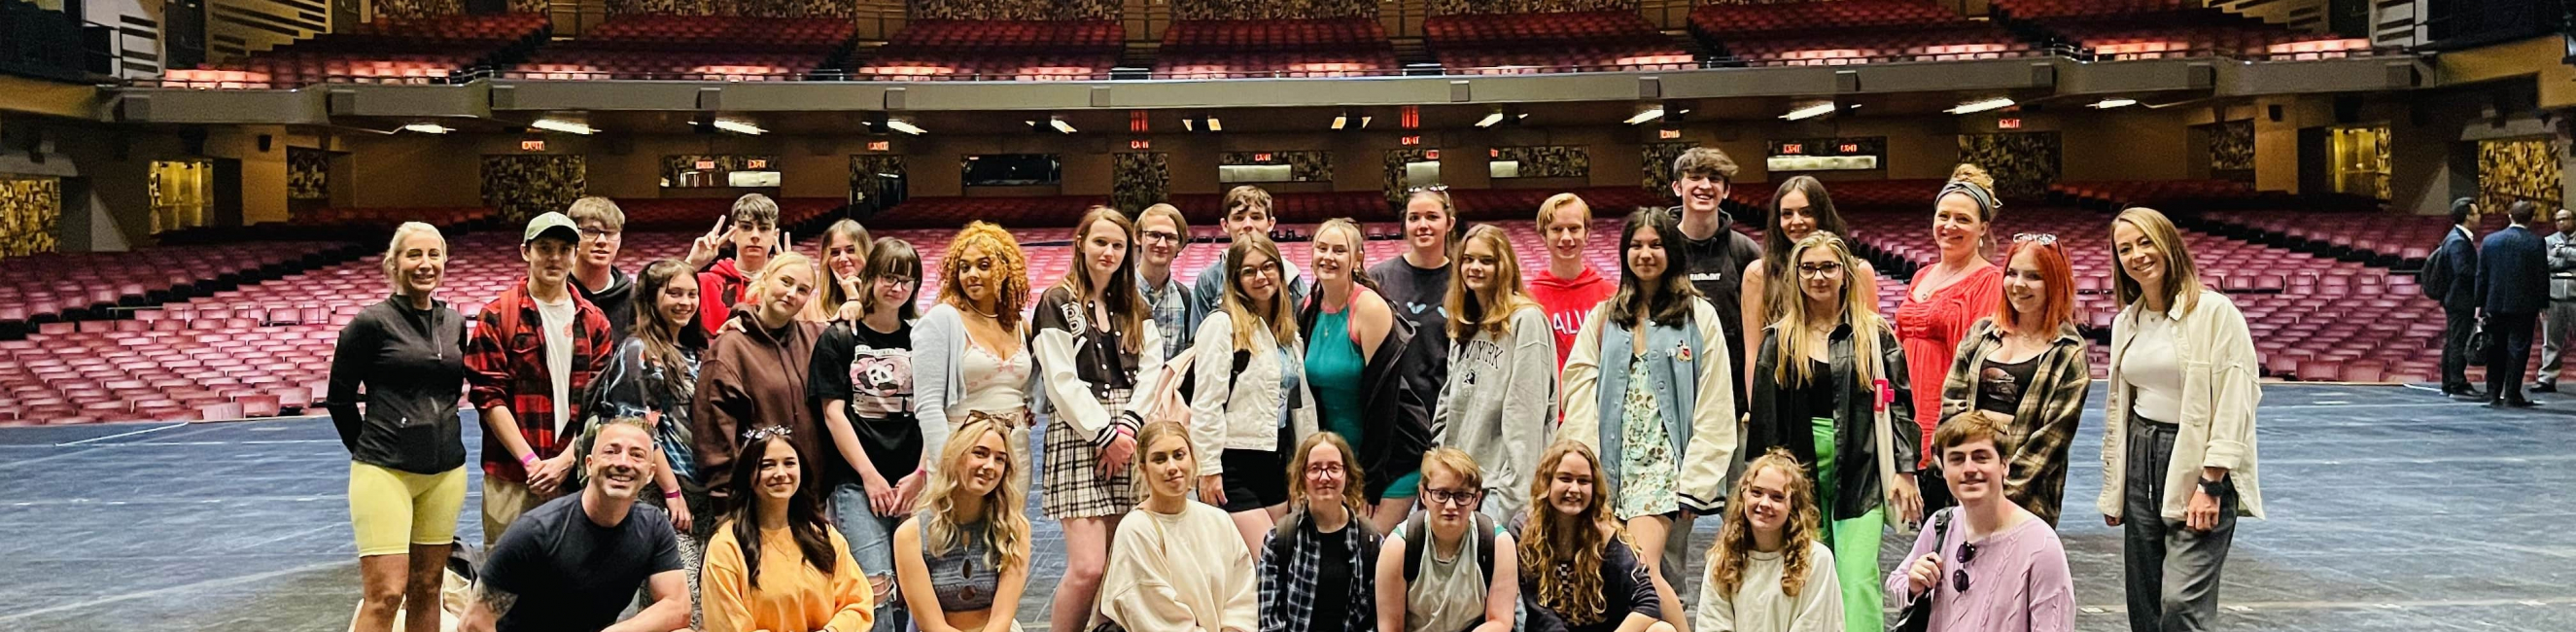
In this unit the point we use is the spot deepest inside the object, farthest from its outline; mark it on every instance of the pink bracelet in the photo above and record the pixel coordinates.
(671, 494)
(528, 461)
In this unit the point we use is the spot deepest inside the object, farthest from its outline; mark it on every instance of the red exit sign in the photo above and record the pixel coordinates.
(532, 145)
(1140, 144)
(1261, 157)
(1793, 148)
(1431, 154)
(756, 163)
(706, 165)
(2007, 123)
(1851, 148)
(1409, 141)
(1668, 134)
(880, 145)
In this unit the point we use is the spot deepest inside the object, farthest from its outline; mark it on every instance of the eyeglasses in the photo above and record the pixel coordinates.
(1819, 270)
(1161, 236)
(1270, 269)
(895, 279)
(1959, 577)
(1332, 469)
(2043, 238)
(602, 234)
(1450, 497)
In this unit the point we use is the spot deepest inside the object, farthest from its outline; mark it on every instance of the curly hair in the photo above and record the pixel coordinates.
(1735, 535)
(1568, 570)
(1013, 268)
(1006, 524)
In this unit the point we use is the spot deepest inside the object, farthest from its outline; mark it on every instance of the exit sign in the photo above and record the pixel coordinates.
(532, 145)
(1409, 141)
(1140, 144)
(1668, 134)
(880, 145)
(1793, 148)
(1431, 154)
(2007, 123)
(756, 163)
(706, 165)
(1261, 157)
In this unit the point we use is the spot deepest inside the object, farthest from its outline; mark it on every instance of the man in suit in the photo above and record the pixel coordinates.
(2450, 277)
(2560, 323)
(2513, 287)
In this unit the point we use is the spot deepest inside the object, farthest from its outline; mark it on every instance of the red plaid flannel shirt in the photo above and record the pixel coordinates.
(505, 362)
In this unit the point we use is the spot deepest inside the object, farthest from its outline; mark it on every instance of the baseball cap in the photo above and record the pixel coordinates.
(551, 221)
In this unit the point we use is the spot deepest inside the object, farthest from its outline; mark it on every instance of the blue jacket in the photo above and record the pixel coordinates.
(2450, 277)
(2513, 272)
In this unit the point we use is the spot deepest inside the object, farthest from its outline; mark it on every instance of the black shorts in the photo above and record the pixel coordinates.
(1254, 479)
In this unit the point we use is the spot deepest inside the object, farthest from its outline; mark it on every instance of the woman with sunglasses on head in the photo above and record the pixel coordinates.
(1947, 296)
(777, 563)
(1356, 353)
(1800, 208)
(1770, 570)
(1177, 565)
(2026, 362)
(2178, 438)
(963, 557)
(1252, 403)
(1460, 569)
(1578, 571)
(1988, 564)
(1649, 381)
(1499, 400)
(1823, 369)
(1315, 570)
(862, 376)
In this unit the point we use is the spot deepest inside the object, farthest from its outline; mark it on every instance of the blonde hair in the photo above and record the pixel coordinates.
(758, 289)
(1282, 318)
(1793, 368)
(1467, 308)
(1006, 523)
(1555, 203)
(597, 208)
(2182, 277)
(394, 276)
(1577, 592)
(1727, 559)
(1457, 462)
(1180, 223)
(828, 293)
(1972, 174)
(1014, 290)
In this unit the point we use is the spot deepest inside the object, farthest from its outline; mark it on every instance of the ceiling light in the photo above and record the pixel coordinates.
(427, 128)
(1491, 119)
(1364, 121)
(1189, 123)
(2106, 104)
(1647, 115)
(740, 127)
(1973, 107)
(1340, 120)
(1809, 112)
(1060, 125)
(904, 126)
(1215, 125)
(568, 127)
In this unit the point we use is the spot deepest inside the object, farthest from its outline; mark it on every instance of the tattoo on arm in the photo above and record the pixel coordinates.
(495, 600)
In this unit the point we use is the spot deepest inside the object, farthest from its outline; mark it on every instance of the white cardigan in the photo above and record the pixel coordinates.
(2219, 391)
(1246, 417)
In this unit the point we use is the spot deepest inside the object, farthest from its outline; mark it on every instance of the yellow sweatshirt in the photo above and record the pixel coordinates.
(793, 595)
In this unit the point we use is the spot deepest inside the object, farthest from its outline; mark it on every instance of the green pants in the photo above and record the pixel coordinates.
(1854, 541)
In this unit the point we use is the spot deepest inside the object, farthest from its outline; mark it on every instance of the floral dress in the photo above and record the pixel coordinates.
(1649, 476)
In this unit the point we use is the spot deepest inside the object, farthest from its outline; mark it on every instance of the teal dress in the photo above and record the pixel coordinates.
(1333, 366)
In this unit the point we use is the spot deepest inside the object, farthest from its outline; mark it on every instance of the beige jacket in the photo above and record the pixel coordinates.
(1245, 417)
(2220, 389)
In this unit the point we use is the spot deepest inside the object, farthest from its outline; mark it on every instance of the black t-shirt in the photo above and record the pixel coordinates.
(1421, 296)
(871, 372)
(1716, 267)
(2000, 385)
(1332, 578)
(572, 574)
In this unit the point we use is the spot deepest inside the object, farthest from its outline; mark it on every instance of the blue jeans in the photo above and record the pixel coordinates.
(872, 546)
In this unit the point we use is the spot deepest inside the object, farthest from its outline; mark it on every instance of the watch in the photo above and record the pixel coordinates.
(2213, 488)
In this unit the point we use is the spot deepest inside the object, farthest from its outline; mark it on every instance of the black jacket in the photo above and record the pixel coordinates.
(2450, 277)
(1855, 448)
(1398, 428)
(617, 302)
(2513, 273)
(411, 363)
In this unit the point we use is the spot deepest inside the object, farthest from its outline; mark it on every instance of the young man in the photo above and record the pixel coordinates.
(594, 271)
(1161, 234)
(1989, 541)
(1568, 287)
(1702, 177)
(2450, 277)
(1247, 212)
(577, 561)
(754, 236)
(533, 352)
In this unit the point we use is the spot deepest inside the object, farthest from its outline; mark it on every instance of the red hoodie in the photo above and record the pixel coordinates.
(1566, 302)
(720, 285)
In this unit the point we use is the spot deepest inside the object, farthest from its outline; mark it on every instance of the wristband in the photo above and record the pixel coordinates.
(673, 495)
(529, 461)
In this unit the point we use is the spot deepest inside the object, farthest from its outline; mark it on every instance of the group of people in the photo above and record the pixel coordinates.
(2502, 287)
(1428, 444)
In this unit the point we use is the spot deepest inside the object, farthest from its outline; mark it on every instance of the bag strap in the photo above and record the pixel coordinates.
(1485, 546)
(1419, 528)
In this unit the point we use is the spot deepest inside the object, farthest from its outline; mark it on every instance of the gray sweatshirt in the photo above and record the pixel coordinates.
(1499, 403)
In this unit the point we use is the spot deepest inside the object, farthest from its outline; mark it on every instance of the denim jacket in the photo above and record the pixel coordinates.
(1687, 364)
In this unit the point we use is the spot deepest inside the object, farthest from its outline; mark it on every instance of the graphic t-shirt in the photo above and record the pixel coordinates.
(872, 372)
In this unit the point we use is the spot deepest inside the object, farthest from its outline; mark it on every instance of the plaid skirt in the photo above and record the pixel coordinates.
(1074, 486)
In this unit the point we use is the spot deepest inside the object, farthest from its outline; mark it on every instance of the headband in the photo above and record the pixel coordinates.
(1985, 199)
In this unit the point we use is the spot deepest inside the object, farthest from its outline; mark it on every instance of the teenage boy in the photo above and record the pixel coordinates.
(533, 352)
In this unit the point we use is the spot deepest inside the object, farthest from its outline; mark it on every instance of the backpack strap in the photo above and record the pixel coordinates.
(1414, 526)
(1485, 528)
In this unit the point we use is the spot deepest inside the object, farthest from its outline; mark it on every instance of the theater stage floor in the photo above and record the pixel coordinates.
(2392, 509)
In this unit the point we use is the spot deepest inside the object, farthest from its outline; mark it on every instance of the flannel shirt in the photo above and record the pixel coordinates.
(505, 363)
(2043, 425)
(1171, 306)
(1291, 559)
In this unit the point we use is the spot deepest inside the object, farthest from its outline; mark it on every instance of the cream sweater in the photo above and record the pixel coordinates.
(1759, 605)
(1184, 572)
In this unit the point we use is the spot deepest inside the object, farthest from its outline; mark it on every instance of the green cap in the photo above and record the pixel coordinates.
(550, 222)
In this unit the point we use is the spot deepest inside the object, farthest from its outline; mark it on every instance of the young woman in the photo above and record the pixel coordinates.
(1947, 296)
(1252, 403)
(756, 377)
(862, 374)
(1500, 397)
(1464, 575)
(1174, 567)
(654, 376)
(1770, 570)
(1353, 358)
(1417, 285)
(969, 362)
(406, 451)
(1800, 208)
(777, 564)
(1989, 542)
(1316, 569)
(1822, 368)
(1650, 382)
(964, 555)
(844, 250)
(2027, 363)
(1097, 347)
(1578, 571)
(2178, 440)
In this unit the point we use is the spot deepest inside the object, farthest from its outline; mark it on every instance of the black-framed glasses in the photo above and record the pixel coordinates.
(1164, 236)
(1819, 270)
(598, 233)
(2043, 238)
(1268, 269)
(1959, 576)
(1449, 496)
(1332, 469)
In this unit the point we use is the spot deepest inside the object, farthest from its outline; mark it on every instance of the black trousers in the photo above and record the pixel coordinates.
(2509, 353)
(2457, 324)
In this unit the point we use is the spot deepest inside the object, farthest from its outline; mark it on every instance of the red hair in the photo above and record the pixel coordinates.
(2057, 305)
